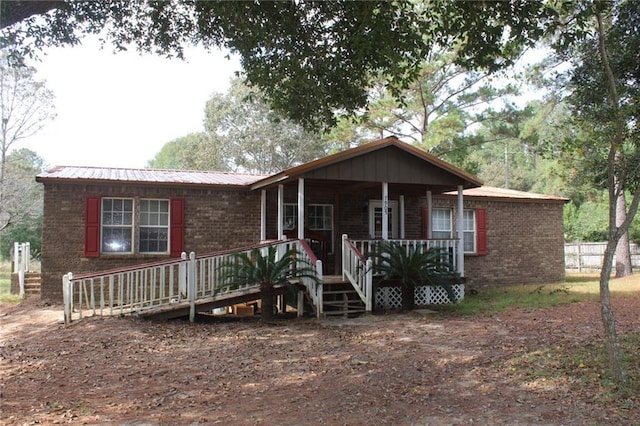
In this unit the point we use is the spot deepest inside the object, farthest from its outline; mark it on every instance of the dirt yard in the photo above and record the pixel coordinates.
(416, 368)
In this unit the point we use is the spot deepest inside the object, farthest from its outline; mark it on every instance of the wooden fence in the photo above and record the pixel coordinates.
(588, 257)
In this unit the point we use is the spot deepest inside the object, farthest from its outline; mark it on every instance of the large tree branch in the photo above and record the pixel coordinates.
(12, 12)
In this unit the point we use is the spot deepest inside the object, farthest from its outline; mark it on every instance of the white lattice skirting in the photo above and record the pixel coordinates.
(391, 297)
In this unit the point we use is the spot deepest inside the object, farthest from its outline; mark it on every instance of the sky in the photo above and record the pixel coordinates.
(119, 109)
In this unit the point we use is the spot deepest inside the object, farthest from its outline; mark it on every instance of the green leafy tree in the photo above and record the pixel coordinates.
(310, 58)
(413, 267)
(251, 136)
(28, 230)
(26, 105)
(268, 269)
(21, 214)
(508, 151)
(603, 94)
(440, 104)
(196, 151)
(241, 133)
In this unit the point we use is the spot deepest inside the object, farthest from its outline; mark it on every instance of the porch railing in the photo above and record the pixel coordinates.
(448, 247)
(152, 285)
(357, 270)
(357, 262)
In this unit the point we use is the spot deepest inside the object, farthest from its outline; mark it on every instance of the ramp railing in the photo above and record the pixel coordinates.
(189, 279)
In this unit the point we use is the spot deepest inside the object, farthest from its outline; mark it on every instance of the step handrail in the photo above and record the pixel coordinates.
(314, 288)
(357, 270)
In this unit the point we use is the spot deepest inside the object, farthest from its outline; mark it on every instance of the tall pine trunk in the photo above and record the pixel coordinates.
(623, 252)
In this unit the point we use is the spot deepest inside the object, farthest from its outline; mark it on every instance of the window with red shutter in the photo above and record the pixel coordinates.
(92, 226)
(481, 230)
(177, 227)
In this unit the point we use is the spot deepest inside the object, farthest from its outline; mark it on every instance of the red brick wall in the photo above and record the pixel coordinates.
(215, 219)
(525, 241)
(524, 238)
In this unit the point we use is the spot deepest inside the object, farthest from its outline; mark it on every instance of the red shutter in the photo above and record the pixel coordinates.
(177, 226)
(481, 231)
(425, 222)
(92, 227)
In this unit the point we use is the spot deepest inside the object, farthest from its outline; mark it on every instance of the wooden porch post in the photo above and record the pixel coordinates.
(429, 215)
(385, 210)
(401, 213)
(280, 211)
(263, 215)
(301, 209)
(460, 233)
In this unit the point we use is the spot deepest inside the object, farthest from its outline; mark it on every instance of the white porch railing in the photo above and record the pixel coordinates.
(357, 264)
(314, 288)
(448, 247)
(21, 263)
(185, 280)
(357, 270)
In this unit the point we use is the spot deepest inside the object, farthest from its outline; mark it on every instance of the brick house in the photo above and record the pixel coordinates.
(104, 218)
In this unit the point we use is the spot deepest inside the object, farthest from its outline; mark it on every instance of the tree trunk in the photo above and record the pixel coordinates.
(267, 301)
(623, 252)
(408, 297)
(618, 372)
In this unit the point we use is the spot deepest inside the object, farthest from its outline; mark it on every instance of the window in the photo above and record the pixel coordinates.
(474, 228)
(290, 216)
(154, 226)
(130, 226)
(441, 219)
(117, 225)
(469, 230)
(321, 217)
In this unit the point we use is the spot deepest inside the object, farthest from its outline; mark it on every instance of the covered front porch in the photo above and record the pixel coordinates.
(379, 191)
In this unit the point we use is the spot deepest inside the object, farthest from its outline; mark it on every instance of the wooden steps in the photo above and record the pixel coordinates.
(340, 299)
(31, 284)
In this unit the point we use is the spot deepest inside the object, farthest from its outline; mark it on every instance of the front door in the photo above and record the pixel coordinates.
(375, 219)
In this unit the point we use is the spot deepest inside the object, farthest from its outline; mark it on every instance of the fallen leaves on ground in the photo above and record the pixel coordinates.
(523, 366)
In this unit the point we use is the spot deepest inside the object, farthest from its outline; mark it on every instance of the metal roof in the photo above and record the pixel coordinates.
(193, 177)
(511, 194)
(147, 176)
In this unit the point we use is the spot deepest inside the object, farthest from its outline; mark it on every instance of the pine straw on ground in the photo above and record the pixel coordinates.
(523, 366)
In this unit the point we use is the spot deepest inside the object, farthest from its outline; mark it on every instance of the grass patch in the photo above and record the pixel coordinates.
(496, 300)
(576, 288)
(5, 285)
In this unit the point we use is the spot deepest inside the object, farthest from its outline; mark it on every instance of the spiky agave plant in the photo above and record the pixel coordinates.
(267, 269)
(413, 267)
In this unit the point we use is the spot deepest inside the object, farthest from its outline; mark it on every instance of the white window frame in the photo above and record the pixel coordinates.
(289, 216)
(469, 230)
(166, 227)
(104, 226)
(290, 219)
(135, 226)
(393, 211)
(324, 207)
(438, 231)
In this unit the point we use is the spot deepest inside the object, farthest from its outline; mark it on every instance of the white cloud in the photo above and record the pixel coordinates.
(118, 110)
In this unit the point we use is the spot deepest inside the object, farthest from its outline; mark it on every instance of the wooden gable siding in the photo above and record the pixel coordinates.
(386, 165)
